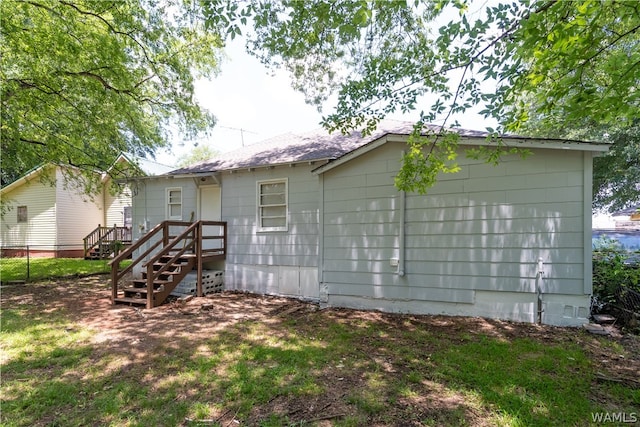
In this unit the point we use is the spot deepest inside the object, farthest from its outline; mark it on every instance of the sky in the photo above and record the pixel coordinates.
(251, 104)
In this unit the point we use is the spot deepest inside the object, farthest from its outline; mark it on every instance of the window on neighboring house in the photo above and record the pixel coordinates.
(272, 205)
(174, 203)
(128, 217)
(22, 214)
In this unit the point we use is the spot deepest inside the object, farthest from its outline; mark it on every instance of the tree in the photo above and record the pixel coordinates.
(572, 59)
(83, 81)
(616, 174)
(198, 154)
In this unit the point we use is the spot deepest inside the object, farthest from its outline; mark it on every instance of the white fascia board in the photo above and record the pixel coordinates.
(275, 165)
(511, 142)
(525, 142)
(356, 153)
(26, 178)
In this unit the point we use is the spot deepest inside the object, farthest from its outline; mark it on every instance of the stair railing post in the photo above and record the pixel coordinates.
(198, 241)
(165, 234)
(150, 280)
(114, 281)
(224, 238)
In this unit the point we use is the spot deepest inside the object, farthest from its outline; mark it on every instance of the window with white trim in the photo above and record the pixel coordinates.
(174, 203)
(272, 205)
(22, 214)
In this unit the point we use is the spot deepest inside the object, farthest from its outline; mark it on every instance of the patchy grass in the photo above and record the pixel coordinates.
(271, 362)
(47, 268)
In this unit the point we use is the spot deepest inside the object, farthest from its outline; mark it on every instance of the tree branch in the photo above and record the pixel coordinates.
(114, 30)
(31, 141)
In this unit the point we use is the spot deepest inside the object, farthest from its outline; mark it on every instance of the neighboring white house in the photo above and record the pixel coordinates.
(317, 216)
(51, 215)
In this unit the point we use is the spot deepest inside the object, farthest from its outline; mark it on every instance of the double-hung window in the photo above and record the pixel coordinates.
(272, 205)
(174, 203)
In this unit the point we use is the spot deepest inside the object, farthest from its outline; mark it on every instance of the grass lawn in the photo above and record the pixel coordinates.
(44, 268)
(266, 361)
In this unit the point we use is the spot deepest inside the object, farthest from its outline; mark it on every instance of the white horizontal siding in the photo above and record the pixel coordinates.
(40, 230)
(77, 214)
(114, 206)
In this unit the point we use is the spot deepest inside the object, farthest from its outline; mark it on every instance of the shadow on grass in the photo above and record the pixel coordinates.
(80, 363)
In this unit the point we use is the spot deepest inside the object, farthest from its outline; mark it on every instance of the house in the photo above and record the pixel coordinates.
(317, 216)
(621, 220)
(49, 216)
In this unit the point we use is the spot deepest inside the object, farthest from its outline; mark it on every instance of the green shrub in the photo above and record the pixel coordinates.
(616, 285)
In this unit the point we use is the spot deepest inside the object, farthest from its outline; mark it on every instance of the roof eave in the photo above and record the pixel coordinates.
(254, 167)
(509, 141)
(34, 173)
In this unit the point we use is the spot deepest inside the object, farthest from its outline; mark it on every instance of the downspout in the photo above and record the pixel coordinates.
(402, 233)
(323, 293)
(401, 243)
(539, 275)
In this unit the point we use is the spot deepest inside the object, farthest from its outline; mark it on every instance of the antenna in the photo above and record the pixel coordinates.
(242, 131)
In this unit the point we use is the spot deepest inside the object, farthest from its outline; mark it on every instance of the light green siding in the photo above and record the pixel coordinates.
(479, 230)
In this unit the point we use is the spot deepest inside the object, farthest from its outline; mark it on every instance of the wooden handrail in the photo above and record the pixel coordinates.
(153, 275)
(189, 240)
(116, 274)
(105, 234)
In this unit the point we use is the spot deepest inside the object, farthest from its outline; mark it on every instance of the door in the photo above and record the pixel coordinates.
(210, 209)
(210, 206)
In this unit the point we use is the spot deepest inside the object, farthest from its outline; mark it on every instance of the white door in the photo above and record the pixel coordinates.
(210, 203)
(210, 209)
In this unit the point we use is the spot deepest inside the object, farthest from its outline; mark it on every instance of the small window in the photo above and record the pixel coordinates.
(174, 203)
(22, 214)
(128, 216)
(272, 205)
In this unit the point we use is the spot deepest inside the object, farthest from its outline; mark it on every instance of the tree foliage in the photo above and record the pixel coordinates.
(616, 173)
(199, 153)
(442, 57)
(82, 81)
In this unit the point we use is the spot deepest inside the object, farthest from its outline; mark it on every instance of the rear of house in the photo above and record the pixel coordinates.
(318, 217)
(473, 245)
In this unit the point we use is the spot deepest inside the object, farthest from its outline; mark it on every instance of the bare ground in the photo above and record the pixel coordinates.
(134, 333)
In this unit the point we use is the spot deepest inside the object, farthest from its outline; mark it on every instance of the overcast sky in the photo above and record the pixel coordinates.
(251, 105)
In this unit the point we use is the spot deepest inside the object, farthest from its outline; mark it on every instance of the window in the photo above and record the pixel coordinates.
(22, 214)
(272, 205)
(128, 216)
(174, 203)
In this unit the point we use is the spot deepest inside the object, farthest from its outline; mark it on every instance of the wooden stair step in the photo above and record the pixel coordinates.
(181, 257)
(168, 272)
(141, 291)
(143, 282)
(130, 301)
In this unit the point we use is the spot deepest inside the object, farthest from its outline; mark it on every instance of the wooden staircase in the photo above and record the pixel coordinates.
(102, 250)
(106, 242)
(165, 256)
(163, 284)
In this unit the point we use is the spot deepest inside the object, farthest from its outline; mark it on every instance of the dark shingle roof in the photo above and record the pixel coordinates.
(301, 147)
(318, 145)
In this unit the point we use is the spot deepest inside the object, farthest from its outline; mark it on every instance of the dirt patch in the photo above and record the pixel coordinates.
(135, 333)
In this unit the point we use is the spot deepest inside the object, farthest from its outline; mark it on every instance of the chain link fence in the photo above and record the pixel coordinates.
(626, 307)
(17, 262)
